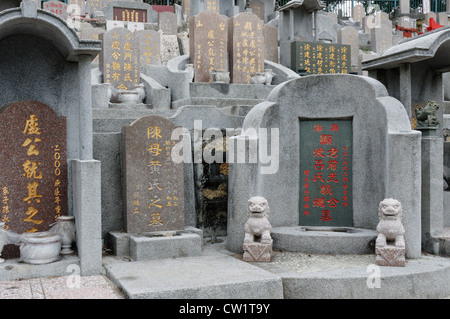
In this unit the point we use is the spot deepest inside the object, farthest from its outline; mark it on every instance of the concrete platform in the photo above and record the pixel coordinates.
(220, 274)
(211, 276)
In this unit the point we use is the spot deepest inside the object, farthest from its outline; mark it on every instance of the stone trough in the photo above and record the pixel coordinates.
(324, 240)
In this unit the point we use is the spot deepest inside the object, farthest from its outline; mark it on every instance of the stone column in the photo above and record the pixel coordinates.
(85, 101)
(405, 87)
(432, 193)
(87, 210)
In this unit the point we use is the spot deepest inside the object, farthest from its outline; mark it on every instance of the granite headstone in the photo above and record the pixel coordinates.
(168, 23)
(271, 43)
(153, 183)
(208, 44)
(119, 59)
(33, 182)
(257, 7)
(149, 46)
(246, 46)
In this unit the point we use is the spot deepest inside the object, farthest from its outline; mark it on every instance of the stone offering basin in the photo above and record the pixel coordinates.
(324, 240)
(40, 248)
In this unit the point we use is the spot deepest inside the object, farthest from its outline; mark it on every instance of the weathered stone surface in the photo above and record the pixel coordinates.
(390, 256)
(33, 163)
(349, 35)
(246, 46)
(358, 12)
(208, 44)
(271, 43)
(257, 252)
(168, 23)
(257, 7)
(212, 5)
(149, 46)
(92, 34)
(153, 183)
(119, 60)
(56, 7)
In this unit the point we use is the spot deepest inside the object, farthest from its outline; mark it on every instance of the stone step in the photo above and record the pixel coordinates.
(210, 276)
(230, 91)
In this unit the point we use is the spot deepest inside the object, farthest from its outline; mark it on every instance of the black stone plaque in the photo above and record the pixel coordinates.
(326, 148)
(320, 58)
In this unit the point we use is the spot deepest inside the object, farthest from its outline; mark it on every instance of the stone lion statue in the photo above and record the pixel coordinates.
(426, 116)
(257, 228)
(390, 227)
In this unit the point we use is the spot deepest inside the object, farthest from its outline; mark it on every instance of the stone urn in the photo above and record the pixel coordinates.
(40, 248)
(190, 69)
(258, 78)
(65, 226)
(220, 76)
(128, 97)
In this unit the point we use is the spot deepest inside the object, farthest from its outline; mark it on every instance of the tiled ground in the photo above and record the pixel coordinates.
(68, 287)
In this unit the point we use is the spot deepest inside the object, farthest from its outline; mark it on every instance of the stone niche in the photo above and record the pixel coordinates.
(378, 156)
(44, 61)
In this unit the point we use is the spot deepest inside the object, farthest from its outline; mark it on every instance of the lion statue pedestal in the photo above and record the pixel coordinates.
(258, 241)
(390, 243)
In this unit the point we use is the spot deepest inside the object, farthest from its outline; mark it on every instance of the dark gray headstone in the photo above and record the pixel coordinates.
(119, 60)
(153, 183)
(320, 58)
(208, 44)
(246, 46)
(258, 8)
(326, 173)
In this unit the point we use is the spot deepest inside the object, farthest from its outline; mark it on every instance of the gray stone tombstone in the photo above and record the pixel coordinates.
(208, 44)
(76, 6)
(119, 60)
(391, 150)
(257, 7)
(92, 34)
(246, 46)
(349, 35)
(168, 23)
(149, 46)
(271, 43)
(381, 38)
(443, 18)
(189, 8)
(212, 5)
(56, 7)
(170, 48)
(358, 12)
(153, 183)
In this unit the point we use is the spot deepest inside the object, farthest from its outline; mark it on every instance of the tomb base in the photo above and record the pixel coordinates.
(257, 252)
(390, 256)
(157, 245)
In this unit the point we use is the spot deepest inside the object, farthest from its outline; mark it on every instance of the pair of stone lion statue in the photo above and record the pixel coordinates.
(390, 227)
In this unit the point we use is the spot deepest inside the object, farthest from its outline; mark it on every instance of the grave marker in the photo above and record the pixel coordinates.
(246, 46)
(92, 34)
(212, 5)
(349, 35)
(271, 43)
(168, 23)
(257, 7)
(154, 184)
(320, 58)
(33, 182)
(326, 173)
(56, 7)
(119, 60)
(208, 44)
(149, 46)
(358, 12)
(381, 38)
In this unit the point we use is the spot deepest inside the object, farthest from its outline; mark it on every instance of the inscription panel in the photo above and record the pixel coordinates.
(326, 172)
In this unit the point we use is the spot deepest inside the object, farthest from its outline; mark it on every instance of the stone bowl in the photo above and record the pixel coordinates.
(40, 248)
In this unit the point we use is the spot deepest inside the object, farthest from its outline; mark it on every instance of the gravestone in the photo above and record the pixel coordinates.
(443, 18)
(92, 34)
(326, 173)
(97, 5)
(349, 35)
(76, 6)
(189, 8)
(119, 60)
(149, 46)
(111, 24)
(135, 26)
(56, 7)
(358, 12)
(246, 46)
(208, 44)
(130, 11)
(320, 58)
(257, 7)
(170, 48)
(381, 38)
(153, 183)
(212, 5)
(271, 43)
(33, 182)
(168, 23)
